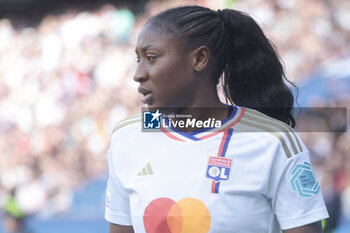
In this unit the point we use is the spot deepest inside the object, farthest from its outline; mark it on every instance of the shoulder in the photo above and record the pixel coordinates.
(127, 123)
(125, 129)
(271, 131)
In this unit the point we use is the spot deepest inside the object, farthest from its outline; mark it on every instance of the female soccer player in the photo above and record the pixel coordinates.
(251, 174)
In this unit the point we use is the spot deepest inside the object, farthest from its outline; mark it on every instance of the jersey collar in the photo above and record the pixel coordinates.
(205, 133)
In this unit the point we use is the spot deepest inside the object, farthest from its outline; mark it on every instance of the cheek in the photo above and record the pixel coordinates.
(172, 82)
(175, 91)
(175, 72)
(173, 79)
(165, 75)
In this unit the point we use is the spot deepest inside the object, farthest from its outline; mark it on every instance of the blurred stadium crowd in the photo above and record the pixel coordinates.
(65, 82)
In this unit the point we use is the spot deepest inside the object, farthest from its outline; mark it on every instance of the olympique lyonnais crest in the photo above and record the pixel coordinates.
(219, 168)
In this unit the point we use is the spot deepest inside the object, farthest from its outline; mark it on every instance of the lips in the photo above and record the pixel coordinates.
(146, 95)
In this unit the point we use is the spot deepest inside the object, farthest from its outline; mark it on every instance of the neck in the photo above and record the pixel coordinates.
(206, 97)
(205, 105)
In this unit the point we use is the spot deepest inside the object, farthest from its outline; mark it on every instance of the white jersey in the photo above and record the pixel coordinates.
(252, 175)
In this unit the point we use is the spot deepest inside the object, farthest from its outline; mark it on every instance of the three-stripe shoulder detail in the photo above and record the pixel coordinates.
(278, 129)
(128, 121)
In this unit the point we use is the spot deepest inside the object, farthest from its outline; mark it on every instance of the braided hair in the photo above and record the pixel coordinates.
(240, 54)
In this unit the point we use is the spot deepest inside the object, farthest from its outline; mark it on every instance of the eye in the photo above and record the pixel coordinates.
(151, 57)
(138, 59)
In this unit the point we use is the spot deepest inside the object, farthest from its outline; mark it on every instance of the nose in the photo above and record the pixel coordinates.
(140, 73)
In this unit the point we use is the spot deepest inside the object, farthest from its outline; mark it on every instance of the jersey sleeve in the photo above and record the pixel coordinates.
(295, 192)
(117, 208)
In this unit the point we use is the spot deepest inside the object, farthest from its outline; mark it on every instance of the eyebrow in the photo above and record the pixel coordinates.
(144, 48)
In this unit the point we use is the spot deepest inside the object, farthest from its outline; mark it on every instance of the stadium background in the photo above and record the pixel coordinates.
(66, 78)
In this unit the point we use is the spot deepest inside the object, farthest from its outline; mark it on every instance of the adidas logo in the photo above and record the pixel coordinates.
(146, 170)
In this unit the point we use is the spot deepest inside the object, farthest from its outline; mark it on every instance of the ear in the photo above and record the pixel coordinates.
(200, 58)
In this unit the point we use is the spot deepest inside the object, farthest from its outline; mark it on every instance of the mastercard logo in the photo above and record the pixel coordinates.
(187, 215)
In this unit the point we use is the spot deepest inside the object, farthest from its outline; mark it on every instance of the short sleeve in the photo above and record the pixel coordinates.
(295, 192)
(117, 209)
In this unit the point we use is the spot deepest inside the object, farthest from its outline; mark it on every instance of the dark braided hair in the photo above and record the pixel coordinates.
(240, 53)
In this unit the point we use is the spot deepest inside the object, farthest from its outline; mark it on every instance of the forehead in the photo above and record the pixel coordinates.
(151, 36)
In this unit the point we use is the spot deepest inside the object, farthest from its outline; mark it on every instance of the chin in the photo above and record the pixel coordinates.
(151, 106)
(155, 107)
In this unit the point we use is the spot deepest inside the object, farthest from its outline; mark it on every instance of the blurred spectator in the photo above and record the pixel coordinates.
(14, 220)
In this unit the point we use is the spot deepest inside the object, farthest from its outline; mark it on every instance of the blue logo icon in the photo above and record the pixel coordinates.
(151, 120)
(304, 181)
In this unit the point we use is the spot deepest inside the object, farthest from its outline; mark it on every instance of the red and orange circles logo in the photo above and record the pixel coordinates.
(188, 215)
